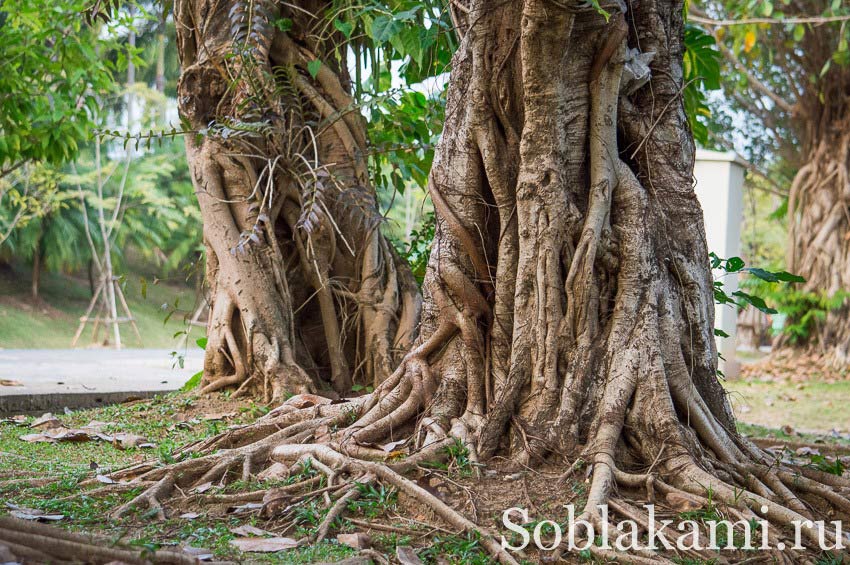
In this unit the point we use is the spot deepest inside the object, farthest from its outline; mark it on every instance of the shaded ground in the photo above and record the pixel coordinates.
(51, 322)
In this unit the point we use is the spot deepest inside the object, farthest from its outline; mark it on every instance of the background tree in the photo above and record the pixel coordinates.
(786, 85)
(568, 301)
(306, 292)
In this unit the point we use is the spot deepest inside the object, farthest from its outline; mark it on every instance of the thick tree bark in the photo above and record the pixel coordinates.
(568, 299)
(306, 292)
(818, 246)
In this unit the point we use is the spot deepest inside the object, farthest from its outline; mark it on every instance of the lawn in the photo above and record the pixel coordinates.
(812, 406)
(170, 421)
(51, 323)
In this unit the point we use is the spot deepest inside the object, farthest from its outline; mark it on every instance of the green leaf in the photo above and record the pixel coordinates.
(785, 276)
(383, 28)
(762, 274)
(193, 382)
(313, 67)
(283, 24)
(202, 342)
(345, 28)
(720, 333)
(734, 264)
(755, 301)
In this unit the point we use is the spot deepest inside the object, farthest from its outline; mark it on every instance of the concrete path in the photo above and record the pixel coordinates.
(53, 379)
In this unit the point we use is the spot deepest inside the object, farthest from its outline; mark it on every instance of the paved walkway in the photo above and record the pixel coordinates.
(52, 379)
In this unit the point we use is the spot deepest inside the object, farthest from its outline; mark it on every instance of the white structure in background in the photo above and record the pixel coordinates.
(720, 190)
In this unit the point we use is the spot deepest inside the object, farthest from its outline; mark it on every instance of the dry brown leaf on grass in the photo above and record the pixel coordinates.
(218, 416)
(46, 421)
(31, 514)
(53, 431)
(19, 420)
(243, 508)
(407, 556)
(247, 530)
(357, 540)
(263, 545)
(55, 435)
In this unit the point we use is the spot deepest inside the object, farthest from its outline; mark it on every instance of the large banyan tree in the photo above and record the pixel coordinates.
(567, 309)
(787, 76)
(306, 293)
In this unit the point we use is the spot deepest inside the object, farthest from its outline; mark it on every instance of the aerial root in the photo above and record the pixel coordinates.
(352, 493)
(149, 497)
(641, 518)
(50, 544)
(614, 557)
(775, 488)
(336, 460)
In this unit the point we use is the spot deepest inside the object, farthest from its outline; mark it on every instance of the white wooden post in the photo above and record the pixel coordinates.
(720, 190)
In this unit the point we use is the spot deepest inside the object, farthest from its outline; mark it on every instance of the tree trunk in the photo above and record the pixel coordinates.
(37, 260)
(584, 320)
(306, 292)
(818, 247)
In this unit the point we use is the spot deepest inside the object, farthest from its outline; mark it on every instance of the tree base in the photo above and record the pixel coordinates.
(315, 433)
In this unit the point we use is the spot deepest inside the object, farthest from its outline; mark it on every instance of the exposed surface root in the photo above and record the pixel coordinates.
(47, 544)
(765, 488)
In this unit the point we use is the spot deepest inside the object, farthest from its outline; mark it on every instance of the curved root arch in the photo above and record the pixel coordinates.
(306, 292)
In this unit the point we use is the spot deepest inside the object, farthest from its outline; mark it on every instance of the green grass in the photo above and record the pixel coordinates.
(814, 406)
(51, 324)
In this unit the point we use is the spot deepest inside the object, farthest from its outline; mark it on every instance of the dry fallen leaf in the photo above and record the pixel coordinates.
(242, 508)
(218, 416)
(56, 434)
(263, 545)
(46, 421)
(32, 514)
(407, 556)
(389, 447)
(105, 480)
(357, 540)
(247, 530)
(19, 420)
(681, 502)
(201, 488)
(189, 515)
(128, 441)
